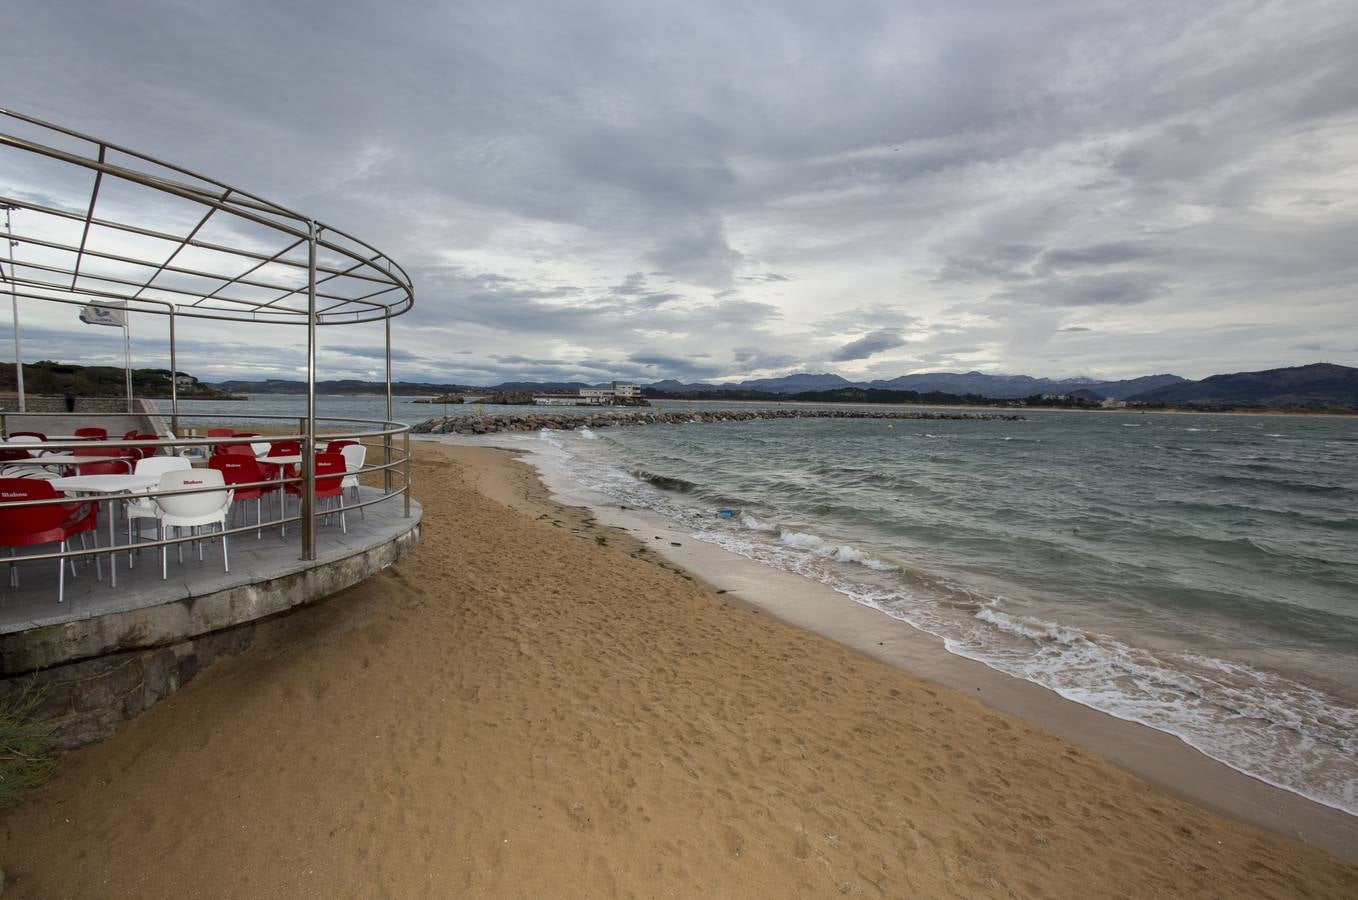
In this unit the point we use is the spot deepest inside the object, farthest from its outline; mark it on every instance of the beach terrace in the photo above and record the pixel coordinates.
(140, 547)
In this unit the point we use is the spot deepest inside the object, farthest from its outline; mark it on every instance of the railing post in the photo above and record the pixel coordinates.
(407, 472)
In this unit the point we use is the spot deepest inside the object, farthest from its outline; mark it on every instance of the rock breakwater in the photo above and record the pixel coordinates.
(493, 424)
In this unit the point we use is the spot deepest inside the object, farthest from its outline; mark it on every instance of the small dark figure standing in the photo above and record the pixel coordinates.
(70, 400)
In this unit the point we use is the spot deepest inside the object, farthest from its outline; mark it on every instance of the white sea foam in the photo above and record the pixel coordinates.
(818, 546)
(754, 524)
(1283, 728)
(586, 433)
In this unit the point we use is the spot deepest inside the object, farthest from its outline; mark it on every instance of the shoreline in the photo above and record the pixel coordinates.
(1161, 758)
(533, 704)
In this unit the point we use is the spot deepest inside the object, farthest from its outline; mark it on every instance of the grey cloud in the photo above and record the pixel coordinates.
(372, 352)
(1096, 255)
(868, 345)
(983, 168)
(1110, 289)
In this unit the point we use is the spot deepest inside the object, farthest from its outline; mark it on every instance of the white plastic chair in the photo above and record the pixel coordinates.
(28, 441)
(142, 509)
(193, 511)
(354, 457)
(189, 453)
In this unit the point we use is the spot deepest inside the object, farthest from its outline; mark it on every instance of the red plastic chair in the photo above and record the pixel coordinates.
(144, 452)
(11, 453)
(240, 469)
(221, 432)
(330, 474)
(33, 434)
(337, 446)
(27, 526)
(240, 450)
(92, 434)
(285, 448)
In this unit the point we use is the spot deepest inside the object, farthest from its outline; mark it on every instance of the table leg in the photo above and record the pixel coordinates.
(112, 557)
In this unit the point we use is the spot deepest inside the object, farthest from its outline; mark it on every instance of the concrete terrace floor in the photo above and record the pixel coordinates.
(34, 603)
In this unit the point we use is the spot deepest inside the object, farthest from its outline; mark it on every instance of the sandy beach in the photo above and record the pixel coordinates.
(534, 704)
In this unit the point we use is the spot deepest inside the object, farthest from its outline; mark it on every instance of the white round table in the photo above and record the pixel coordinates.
(107, 484)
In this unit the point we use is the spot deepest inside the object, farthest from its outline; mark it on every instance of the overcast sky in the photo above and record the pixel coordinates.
(713, 190)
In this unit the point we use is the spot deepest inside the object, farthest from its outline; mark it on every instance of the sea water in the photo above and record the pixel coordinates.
(1197, 574)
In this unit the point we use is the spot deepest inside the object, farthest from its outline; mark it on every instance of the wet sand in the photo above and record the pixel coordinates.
(534, 704)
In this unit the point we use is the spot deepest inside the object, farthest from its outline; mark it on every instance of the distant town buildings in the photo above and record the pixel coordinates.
(619, 392)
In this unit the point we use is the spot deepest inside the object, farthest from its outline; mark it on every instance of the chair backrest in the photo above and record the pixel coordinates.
(32, 435)
(101, 468)
(12, 453)
(159, 465)
(240, 450)
(285, 448)
(237, 468)
(199, 504)
(337, 446)
(97, 434)
(146, 451)
(245, 434)
(94, 451)
(354, 456)
(221, 432)
(329, 464)
(260, 447)
(29, 519)
(131, 435)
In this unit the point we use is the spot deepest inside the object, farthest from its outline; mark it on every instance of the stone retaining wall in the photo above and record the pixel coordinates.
(38, 403)
(92, 674)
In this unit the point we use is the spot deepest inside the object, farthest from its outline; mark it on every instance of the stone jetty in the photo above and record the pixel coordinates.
(498, 422)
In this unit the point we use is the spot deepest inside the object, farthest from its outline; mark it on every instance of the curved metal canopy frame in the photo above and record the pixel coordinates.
(106, 225)
(115, 225)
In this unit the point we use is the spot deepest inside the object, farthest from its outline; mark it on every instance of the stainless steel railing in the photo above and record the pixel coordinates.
(375, 434)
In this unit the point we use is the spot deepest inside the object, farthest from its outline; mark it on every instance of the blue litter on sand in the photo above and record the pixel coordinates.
(727, 513)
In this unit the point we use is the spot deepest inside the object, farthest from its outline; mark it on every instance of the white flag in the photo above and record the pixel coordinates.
(103, 314)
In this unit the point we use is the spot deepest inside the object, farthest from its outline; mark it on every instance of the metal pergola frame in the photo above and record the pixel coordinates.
(282, 268)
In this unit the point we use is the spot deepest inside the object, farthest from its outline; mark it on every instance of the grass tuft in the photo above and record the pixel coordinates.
(26, 758)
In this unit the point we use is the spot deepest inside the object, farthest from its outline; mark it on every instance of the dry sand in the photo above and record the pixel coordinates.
(530, 705)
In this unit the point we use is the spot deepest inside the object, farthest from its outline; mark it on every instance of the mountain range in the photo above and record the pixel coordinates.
(1315, 385)
(999, 387)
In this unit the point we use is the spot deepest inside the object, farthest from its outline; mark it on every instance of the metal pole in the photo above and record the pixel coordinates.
(386, 440)
(174, 380)
(14, 306)
(127, 356)
(407, 471)
(309, 438)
